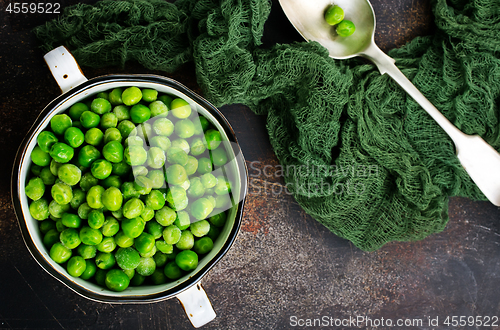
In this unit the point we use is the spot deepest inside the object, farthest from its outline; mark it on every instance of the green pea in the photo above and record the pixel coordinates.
(205, 124)
(113, 152)
(70, 238)
(112, 134)
(157, 178)
(204, 165)
(186, 241)
(61, 193)
(140, 171)
(198, 146)
(213, 233)
(180, 108)
(131, 96)
(57, 210)
(112, 199)
(123, 240)
(218, 220)
(158, 277)
(163, 247)
(103, 95)
(158, 109)
(156, 157)
(175, 174)
(35, 169)
(334, 15)
(211, 199)
(79, 197)
(196, 189)
(107, 245)
(171, 234)
(115, 96)
(40, 157)
(76, 110)
(133, 227)
(175, 195)
(184, 128)
(134, 141)
(187, 260)
(88, 181)
(133, 208)
(128, 191)
(140, 113)
(76, 266)
(121, 168)
(155, 200)
(110, 227)
(181, 143)
(87, 251)
(182, 221)
(345, 28)
(94, 197)
(160, 259)
(144, 242)
(90, 270)
(137, 280)
(165, 216)
(51, 237)
(94, 136)
(201, 208)
(223, 186)
(100, 277)
(125, 127)
(74, 137)
(200, 228)
(61, 152)
(109, 120)
(35, 189)
(203, 245)
(83, 210)
(213, 139)
(191, 166)
(47, 225)
(172, 271)
(127, 258)
(59, 123)
(89, 119)
(46, 140)
(149, 95)
(87, 155)
(69, 174)
(161, 142)
(105, 260)
(154, 228)
(59, 253)
(223, 201)
(54, 167)
(39, 209)
(71, 220)
(176, 155)
(218, 157)
(101, 169)
(96, 219)
(100, 106)
(135, 155)
(166, 99)
(47, 177)
(147, 214)
(122, 112)
(146, 266)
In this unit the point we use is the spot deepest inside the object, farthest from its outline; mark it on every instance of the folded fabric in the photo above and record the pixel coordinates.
(360, 156)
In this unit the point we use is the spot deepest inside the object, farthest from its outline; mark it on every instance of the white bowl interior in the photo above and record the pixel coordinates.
(33, 224)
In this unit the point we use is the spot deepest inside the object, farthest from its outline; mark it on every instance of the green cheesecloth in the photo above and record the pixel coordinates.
(363, 158)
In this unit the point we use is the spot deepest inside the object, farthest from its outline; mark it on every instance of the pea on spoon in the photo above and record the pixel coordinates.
(479, 159)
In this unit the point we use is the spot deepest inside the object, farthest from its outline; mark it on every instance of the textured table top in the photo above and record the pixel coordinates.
(284, 267)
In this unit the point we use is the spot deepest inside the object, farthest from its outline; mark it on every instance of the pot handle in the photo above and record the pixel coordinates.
(197, 306)
(64, 68)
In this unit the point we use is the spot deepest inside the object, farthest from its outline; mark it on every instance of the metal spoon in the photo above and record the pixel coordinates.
(479, 159)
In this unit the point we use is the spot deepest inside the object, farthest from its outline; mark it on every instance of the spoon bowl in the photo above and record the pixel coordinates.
(480, 160)
(308, 18)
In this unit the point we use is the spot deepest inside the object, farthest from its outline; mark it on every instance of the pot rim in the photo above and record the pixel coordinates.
(21, 154)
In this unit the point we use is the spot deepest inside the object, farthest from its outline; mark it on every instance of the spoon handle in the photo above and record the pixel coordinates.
(480, 160)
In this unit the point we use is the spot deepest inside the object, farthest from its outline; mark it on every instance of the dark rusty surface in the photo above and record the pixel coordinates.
(283, 264)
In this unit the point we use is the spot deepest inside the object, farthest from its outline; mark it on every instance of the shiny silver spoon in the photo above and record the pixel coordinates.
(479, 159)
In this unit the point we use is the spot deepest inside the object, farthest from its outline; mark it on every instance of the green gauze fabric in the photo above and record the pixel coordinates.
(362, 157)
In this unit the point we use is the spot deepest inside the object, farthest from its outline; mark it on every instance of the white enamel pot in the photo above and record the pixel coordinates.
(76, 87)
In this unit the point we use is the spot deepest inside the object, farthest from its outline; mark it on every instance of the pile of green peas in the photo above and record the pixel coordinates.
(124, 190)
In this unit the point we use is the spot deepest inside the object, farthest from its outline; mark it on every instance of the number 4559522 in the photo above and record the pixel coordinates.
(32, 8)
